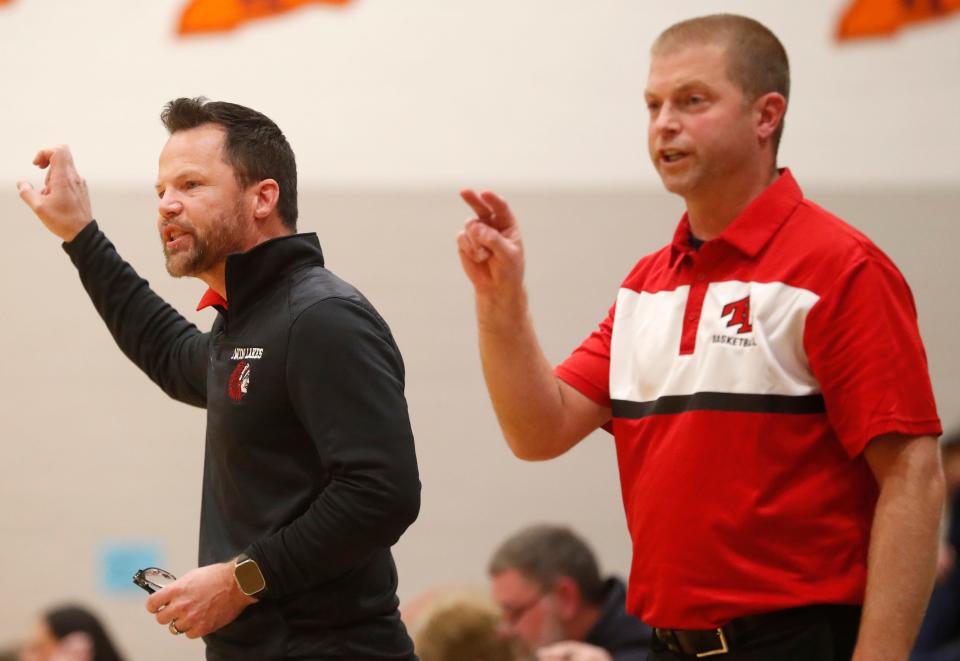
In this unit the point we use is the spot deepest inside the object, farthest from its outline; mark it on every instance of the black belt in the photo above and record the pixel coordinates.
(712, 642)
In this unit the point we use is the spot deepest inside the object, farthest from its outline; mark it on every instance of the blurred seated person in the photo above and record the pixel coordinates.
(459, 625)
(547, 583)
(69, 633)
(939, 637)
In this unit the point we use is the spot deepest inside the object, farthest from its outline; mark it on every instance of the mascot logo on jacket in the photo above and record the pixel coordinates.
(239, 381)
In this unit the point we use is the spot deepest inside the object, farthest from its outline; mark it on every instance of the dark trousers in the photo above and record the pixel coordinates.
(831, 638)
(939, 637)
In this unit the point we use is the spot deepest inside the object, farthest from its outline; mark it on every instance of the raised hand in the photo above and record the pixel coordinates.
(540, 415)
(489, 245)
(63, 204)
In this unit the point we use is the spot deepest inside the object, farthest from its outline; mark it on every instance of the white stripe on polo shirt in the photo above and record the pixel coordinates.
(763, 356)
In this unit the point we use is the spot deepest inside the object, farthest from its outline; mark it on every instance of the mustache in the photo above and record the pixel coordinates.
(182, 225)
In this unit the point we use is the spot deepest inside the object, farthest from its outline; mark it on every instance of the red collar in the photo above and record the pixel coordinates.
(211, 298)
(755, 226)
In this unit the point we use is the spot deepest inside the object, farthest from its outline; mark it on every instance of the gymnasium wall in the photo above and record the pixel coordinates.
(391, 107)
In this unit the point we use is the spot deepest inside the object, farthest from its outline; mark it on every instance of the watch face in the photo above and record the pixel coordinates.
(249, 577)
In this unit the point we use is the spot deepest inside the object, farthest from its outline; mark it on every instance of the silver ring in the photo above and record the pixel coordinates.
(172, 627)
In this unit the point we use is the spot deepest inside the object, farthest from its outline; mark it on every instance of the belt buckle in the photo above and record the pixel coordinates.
(723, 649)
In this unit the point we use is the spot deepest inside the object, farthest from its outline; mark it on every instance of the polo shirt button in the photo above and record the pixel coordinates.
(701, 277)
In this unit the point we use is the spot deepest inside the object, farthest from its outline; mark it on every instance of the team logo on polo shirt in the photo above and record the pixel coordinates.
(739, 312)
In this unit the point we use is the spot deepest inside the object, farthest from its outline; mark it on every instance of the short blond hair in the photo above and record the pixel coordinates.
(757, 61)
(462, 626)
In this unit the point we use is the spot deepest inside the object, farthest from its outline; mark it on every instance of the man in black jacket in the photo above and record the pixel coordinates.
(310, 473)
(555, 604)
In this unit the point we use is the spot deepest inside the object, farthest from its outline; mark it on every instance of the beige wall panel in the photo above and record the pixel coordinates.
(91, 451)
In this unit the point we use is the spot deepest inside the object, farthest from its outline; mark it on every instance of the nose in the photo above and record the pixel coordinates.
(169, 206)
(666, 120)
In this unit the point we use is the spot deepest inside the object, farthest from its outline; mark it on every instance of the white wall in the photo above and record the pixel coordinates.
(413, 92)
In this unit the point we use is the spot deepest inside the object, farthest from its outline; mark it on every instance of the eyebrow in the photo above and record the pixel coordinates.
(183, 174)
(683, 88)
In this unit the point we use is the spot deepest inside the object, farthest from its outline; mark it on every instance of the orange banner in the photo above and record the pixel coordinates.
(222, 15)
(880, 18)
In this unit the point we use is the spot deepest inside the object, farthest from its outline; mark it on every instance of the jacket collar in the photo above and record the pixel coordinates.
(250, 273)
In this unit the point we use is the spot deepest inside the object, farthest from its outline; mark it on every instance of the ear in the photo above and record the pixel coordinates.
(266, 195)
(567, 596)
(769, 110)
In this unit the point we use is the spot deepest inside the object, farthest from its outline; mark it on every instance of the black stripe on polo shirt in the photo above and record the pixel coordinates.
(719, 401)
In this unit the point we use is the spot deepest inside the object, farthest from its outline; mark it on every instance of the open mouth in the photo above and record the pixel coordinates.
(174, 237)
(672, 155)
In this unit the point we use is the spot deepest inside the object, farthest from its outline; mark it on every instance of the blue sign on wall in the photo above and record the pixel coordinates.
(119, 561)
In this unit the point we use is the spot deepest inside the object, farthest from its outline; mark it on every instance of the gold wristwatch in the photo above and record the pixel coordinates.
(248, 576)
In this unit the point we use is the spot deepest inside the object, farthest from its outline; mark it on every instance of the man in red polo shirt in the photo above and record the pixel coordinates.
(763, 377)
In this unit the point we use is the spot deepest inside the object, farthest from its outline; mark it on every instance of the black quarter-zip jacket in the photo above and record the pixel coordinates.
(309, 466)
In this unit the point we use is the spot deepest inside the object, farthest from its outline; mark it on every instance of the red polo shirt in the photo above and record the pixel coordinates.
(745, 380)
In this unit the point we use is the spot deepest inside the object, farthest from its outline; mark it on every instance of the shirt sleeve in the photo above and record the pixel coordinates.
(587, 369)
(158, 339)
(865, 351)
(346, 380)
